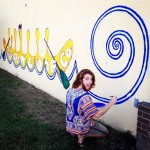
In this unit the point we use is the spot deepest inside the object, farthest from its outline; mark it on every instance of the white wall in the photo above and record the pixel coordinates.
(71, 29)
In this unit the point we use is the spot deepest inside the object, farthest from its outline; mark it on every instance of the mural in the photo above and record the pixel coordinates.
(117, 45)
(36, 62)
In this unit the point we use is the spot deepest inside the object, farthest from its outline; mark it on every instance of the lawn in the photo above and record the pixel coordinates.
(31, 119)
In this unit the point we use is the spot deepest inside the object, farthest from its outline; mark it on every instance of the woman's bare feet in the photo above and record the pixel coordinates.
(80, 140)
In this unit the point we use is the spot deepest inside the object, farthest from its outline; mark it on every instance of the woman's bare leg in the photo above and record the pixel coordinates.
(98, 131)
(80, 140)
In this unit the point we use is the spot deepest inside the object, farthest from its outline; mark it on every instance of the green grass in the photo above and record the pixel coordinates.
(23, 132)
(20, 131)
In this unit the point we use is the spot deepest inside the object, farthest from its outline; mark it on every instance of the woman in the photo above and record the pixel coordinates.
(81, 109)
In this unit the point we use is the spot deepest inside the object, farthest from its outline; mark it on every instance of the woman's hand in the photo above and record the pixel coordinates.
(113, 100)
(104, 109)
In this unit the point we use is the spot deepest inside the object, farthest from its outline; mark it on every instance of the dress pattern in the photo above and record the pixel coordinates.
(80, 110)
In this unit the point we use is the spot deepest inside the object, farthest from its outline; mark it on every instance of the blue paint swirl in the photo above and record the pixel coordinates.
(118, 47)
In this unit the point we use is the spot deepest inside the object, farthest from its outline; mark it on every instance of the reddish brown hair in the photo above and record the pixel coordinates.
(81, 75)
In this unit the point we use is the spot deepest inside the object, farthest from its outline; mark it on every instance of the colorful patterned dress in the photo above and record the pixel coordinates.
(80, 111)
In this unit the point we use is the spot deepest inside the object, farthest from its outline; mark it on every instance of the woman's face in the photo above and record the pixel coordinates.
(87, 82)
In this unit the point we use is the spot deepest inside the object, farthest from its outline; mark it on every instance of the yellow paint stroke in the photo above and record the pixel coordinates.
(49, 63)
(63, 58)
(39, 61)
(18, 54)
(30, 59)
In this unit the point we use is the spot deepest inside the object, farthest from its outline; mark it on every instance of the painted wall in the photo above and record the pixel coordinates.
(109, 37)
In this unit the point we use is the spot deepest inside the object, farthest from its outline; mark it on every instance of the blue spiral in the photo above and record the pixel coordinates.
(117, 44)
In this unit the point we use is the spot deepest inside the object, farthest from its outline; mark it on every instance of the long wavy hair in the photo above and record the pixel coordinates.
(80, 77)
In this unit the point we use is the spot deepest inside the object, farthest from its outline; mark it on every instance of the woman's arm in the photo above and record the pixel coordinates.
(103, 110)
